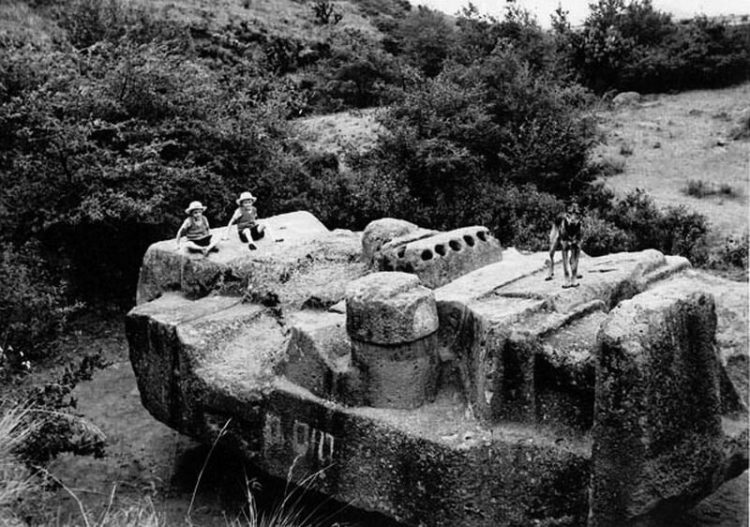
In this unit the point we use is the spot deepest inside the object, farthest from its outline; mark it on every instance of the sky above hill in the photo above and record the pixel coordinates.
(578, 9)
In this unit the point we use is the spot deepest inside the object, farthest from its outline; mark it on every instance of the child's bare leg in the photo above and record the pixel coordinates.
(212, 246)
(193, 247)
(249, 237)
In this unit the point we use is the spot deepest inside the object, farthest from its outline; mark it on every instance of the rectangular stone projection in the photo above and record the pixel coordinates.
(657, 427)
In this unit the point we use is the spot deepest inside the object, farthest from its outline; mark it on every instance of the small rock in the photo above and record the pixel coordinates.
(628, 98)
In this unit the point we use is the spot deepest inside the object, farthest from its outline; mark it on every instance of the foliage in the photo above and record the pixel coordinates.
(453, 142)
(633, 46)
(326, 13)
(101, 150)
(732, 253)
(355, 73)
(425, 37)
(674, 230)
(33, 307)
(602, 236)
(16, 482)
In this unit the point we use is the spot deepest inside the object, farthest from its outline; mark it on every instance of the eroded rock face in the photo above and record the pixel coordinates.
(658, 437)
(471, 403)
(390, 308)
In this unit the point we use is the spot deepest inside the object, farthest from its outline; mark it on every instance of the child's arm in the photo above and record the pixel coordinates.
(234, 218)
(180, 231)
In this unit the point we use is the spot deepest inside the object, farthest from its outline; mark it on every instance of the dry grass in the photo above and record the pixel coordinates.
(19, 23)
(675, 139)
(21, 492)
(286, 17)
(339, 131)
(15, 480)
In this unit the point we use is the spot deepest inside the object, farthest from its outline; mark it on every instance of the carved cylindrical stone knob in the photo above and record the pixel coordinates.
(390, 308)
(392, 322)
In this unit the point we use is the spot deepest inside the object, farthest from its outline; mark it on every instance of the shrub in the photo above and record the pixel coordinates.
(522, 216)
(425, 38)
(602, 236)
(732, 253)
(674, 230)
(326, 13)
(609, 166)
(700, 189)
(636, 47)
(34, 308)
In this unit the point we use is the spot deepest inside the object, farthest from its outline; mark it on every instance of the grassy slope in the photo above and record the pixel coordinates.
(339, 131)
(683, 137)
(285, 17)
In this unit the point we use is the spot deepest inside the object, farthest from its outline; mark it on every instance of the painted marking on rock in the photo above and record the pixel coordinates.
(305, 440)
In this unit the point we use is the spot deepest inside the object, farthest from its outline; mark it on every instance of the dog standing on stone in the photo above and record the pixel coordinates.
(565, 235)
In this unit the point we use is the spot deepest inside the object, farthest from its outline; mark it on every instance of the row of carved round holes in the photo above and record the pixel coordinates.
(454, 244)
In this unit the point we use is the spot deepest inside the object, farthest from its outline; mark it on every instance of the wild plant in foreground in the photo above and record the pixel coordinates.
(293, 510)
(15, 479)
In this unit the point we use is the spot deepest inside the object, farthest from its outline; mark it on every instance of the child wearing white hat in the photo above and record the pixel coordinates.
(195, 228)
(246, 217)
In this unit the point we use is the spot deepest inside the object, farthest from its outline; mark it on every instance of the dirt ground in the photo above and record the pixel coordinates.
(147, 459)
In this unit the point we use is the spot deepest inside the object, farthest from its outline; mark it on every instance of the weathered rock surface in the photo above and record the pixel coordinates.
(499, 433)
(380, 232)
(441, 258)
(658, 439)
(298, 261)
(390, 308)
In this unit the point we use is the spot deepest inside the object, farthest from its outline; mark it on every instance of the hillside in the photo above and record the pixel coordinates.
(668, 141)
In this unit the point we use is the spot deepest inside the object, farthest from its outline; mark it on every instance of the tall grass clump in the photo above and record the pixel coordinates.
(16, 481)
(291, 511)
(24, 486)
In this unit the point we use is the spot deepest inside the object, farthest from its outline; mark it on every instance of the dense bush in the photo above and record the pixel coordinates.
(633, 46)
(455, 143)
(33, 307)
(672, 230)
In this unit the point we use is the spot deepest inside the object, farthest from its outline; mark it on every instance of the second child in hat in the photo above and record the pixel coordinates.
(246, 217)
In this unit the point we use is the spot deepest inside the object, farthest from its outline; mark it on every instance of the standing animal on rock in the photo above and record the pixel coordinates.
(565, 234)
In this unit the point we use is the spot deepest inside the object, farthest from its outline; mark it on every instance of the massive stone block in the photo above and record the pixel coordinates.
(658, 440)
(296, 244)
(495, 389)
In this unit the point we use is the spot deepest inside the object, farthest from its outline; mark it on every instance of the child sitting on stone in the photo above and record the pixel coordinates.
(195, 228)
(246, 218)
